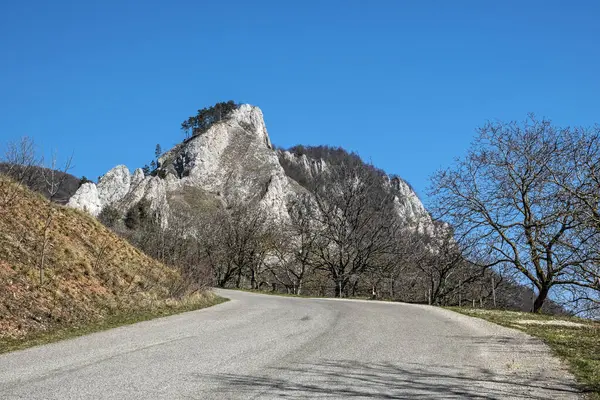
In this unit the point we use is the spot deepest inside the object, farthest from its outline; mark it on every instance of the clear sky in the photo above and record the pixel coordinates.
(403, 83)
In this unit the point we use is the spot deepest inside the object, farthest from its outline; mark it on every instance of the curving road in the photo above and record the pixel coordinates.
(264, 347)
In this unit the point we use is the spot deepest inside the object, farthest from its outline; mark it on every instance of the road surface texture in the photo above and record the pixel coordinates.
(265, 347)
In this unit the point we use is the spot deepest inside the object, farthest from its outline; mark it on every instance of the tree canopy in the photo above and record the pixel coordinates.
(199, 123)
(520, 194)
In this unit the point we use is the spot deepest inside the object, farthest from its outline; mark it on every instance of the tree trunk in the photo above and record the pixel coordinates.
(42, 261)
(432, 293)
(541, 297)
(494, 291)
(339, 288)
(44, 246)
(222, 279)
(253, 279)
(238, 281)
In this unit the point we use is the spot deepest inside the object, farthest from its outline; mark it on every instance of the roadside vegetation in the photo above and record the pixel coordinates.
(575, 340)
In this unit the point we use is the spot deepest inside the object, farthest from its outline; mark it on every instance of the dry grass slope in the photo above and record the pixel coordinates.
(91, 274)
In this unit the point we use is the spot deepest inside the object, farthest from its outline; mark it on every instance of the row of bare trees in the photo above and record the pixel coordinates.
(343, 238)
(521, 208)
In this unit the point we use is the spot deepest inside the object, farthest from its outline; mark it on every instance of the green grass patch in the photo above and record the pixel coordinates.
(113, 320)
(574, 340)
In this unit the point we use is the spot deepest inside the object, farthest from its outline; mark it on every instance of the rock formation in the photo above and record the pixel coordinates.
(232, 162)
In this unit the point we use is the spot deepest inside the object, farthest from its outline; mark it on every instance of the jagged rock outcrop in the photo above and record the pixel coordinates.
(232, 162)
(407, 204)
(86, 198)
(111, 188)
(114, 185)
(311, 166)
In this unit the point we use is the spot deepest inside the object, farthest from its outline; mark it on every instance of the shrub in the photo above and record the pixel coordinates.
(109, 216)
(84, 180)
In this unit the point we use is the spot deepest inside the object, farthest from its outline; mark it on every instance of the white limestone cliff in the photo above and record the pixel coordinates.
(407, 204)
(232, 162)
(311, 166)
(86, 198)
(409, 207)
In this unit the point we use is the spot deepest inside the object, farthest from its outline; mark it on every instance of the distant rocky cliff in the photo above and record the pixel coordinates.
(304, 168)
(232, 162)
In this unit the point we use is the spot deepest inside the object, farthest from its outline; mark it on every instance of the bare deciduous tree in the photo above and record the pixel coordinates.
(504, 197)
(21, 164)
(295, 244)
(53, 180)
(236, 243)
(356, 223)
(580, 180)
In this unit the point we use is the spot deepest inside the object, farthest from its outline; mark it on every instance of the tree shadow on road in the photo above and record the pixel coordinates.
(351, 379)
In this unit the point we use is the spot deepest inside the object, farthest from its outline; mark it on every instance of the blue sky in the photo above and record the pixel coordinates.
(403, 83)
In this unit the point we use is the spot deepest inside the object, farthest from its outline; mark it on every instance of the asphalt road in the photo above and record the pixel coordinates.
(258, 346)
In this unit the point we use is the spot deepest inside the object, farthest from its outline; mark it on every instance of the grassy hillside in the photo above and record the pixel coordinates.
(90, 275)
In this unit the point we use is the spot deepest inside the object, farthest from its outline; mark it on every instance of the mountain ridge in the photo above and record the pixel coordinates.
(232, 162)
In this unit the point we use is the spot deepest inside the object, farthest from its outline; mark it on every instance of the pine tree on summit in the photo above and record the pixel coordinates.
(198, 124)
(157, 152)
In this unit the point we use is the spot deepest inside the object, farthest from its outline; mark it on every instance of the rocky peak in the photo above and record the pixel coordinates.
(408, 205)
(251, 118)
(233, 161)
(114, 185)
(111, 188)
